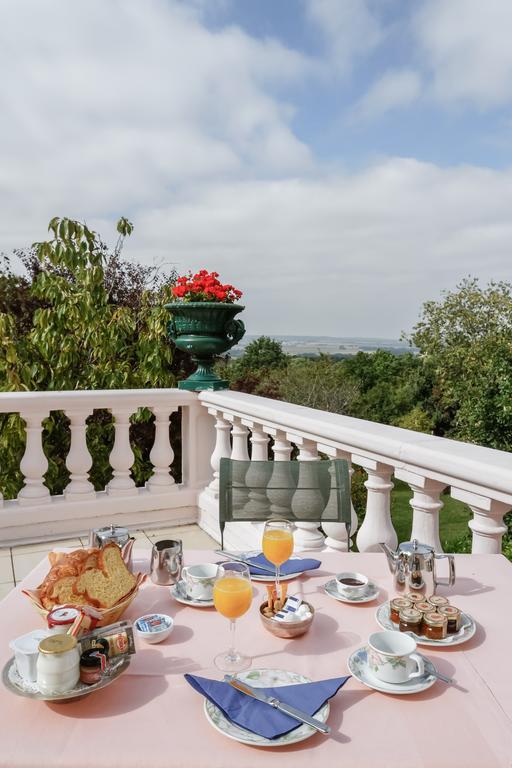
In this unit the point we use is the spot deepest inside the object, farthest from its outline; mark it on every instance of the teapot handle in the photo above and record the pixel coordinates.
(451, 575)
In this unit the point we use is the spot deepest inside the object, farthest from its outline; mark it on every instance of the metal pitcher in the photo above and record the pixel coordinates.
(100, 537)
(166, 562)
(414, 567)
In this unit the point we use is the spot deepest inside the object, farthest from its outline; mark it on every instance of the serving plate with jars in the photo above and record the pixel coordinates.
(22, 687)
(464, 633)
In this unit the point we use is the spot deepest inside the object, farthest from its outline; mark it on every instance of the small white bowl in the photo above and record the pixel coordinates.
(153, 627)
(351, 590)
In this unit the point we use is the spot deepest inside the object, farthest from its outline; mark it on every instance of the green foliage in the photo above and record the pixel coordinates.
(81, 318)
(263, 353)
(319, 383)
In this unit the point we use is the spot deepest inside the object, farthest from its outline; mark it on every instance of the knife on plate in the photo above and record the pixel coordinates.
(272, 701)
(239, 559)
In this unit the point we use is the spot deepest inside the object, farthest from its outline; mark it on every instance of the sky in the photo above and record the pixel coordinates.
(339, 161)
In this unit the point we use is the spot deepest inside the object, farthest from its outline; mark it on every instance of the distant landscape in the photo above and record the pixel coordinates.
(339, 347)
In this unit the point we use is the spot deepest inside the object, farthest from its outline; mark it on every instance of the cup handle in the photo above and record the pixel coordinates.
(421, 666)
(184, 571)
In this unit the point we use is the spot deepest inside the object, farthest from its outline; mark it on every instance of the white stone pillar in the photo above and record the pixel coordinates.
(281, 485)
(34, 462)
(222, 448)
(79, 460)
(162, 454)
(336, 533)
(239, 452)
(426, 506)
(121, 456)
(377, 525)
(487, 524)
(258, 474)
(307, 499)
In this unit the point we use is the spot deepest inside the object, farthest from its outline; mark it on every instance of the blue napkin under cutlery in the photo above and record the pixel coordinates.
(294, 565)
(260, 718)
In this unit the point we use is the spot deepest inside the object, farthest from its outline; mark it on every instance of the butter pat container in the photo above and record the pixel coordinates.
(26, 651)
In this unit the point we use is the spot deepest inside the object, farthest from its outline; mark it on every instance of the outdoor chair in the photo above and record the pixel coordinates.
(299, 491)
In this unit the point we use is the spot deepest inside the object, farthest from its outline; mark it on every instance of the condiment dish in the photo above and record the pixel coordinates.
(153, 627)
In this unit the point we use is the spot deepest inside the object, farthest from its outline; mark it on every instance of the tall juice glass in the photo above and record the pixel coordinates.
(278, 545)
(232, 597)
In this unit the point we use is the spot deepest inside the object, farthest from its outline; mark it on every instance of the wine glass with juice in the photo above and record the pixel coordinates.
(232, 597)
(278, 545)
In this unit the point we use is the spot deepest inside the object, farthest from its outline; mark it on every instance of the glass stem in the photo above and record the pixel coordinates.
(278, 591)
(232, 651)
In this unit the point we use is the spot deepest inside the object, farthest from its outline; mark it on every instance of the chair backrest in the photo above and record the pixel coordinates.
(300, 491)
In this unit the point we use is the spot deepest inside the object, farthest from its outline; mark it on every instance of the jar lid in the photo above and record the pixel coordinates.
(91, 659)
(424, 607)
(59, 616)
(434, 619)
(438, 600)
(415, 597)
(448, 610)
(401, 602)
(410, 615)
(57, 644)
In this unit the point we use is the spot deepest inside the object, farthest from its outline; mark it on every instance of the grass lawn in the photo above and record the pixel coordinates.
(453, 518)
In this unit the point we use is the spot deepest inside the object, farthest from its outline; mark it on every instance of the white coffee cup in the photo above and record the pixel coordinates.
(347, 589)
(199, 580)
(392, 657)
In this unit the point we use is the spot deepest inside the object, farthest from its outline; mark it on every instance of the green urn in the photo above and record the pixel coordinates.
(205, 329)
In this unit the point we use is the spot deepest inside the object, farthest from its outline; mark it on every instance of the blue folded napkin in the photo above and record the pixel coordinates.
(261, 718)
(298, 565)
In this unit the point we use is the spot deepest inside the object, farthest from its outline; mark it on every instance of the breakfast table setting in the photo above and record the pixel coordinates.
(324, 659)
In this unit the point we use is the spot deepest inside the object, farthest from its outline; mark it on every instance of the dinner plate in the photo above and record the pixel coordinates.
(181, 596)
(269, 577)
(368, 595)
(465, 633)
(358, 666)
(15, 683)
(264, 678)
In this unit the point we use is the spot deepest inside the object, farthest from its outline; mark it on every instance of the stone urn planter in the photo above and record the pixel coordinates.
(205, 329)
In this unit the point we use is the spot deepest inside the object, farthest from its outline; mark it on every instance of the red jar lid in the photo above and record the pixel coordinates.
(65, 616)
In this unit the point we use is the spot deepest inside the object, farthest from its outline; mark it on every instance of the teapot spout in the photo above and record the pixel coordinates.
(391, 556)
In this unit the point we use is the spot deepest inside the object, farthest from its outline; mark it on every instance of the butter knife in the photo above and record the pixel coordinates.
(238, 559)
(302, 717)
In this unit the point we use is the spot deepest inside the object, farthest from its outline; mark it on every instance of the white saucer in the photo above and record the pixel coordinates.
(465, 633)
(181, 596)
(368, 595)
(358, 666)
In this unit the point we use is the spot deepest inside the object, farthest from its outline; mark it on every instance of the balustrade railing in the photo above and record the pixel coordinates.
(219, 424)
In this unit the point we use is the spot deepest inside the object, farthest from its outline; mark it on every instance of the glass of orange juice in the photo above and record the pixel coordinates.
(232, 597)
(278, 544)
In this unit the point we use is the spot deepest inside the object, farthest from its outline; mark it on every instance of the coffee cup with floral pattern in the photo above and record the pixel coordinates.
(392, 657)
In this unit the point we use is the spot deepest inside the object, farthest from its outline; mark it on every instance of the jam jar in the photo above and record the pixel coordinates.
(453, 615)
(436, 601)
(435, 626)
(410, 620)
(92, 664)
(423, 607)
(396, 605)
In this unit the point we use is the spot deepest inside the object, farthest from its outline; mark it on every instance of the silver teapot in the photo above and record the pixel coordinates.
(100, 537)
(414, 567)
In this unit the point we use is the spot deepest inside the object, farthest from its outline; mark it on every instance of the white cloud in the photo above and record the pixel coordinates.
(467, 47)
(395, 89)
(349, 28)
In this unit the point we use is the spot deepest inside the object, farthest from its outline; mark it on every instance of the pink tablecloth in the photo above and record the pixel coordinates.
(151, 718)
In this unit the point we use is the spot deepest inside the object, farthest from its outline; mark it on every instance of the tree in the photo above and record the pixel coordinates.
(319, 383)
(81, 318)
(465, 339)
(263, 352)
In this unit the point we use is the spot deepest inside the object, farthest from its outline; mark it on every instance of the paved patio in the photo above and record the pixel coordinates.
(17, 562)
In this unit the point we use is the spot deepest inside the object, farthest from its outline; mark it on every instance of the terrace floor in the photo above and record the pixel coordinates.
(17, 562)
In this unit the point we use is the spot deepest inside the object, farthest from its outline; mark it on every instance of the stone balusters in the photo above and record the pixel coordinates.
(281, 485)
(162, 454)
(239, 452)
(79, 460)
(377, 525)
(336, 533)
(258, 474)
(121, 456)
(307, 500)
(222, 448)
(34, 462)
(487, 524)
(426, 505)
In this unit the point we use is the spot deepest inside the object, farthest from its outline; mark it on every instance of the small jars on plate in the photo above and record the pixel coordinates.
(453, 615)
(397, 605)
(436, 601)
(435, 626)
(410, 620)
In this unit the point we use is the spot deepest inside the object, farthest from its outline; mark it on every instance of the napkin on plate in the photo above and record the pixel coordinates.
(261, 718)
(295, 565)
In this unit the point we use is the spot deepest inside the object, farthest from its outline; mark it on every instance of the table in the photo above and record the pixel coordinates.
(152, 718)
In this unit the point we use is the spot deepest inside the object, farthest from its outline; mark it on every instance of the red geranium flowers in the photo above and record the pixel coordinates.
(204, 286)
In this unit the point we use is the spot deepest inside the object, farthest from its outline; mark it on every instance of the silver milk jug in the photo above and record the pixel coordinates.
(166, 562)
(414, 567)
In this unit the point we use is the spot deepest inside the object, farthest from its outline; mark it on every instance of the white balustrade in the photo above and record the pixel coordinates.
(162, 454)
(280, 487)
(426, 506)
(377, 526)
(487, 523)
(79, 460)
(336, 533)
(222, 448)
(259, 471)
(121, 457)
(34, 462)
(307, 500)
